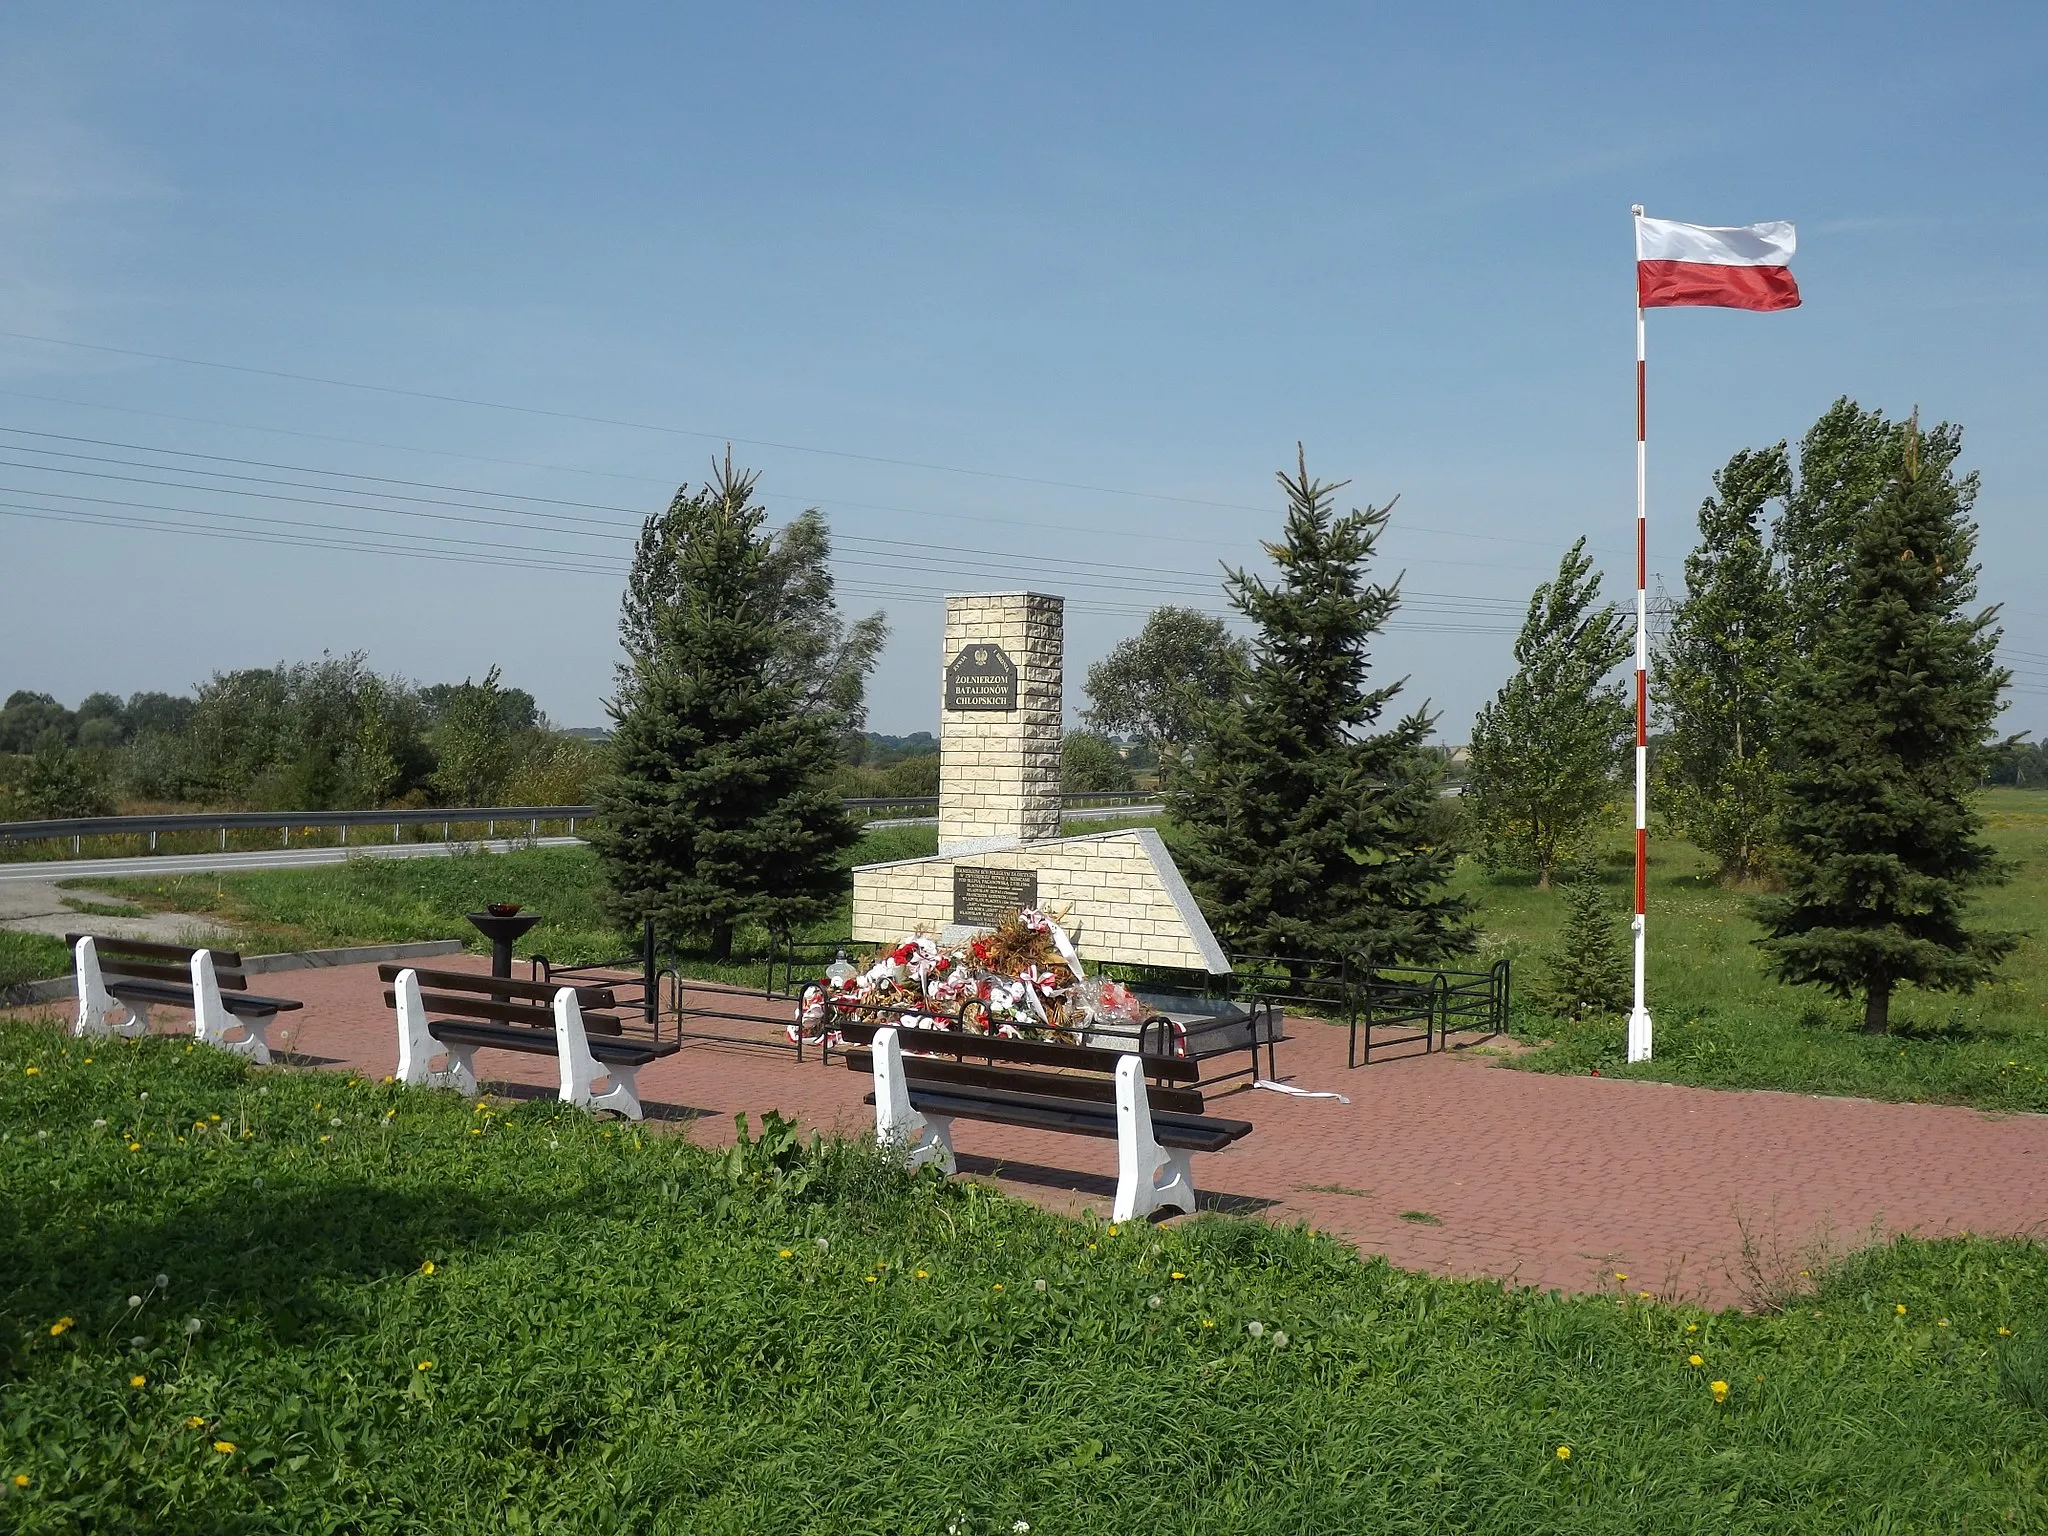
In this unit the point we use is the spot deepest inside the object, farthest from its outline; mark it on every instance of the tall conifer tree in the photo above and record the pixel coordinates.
(720, 808)
(1308, 832)
(1719, 673)
(1885, 724)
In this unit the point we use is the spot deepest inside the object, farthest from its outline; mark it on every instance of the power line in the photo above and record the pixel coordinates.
(986, 474)
(1086, 571)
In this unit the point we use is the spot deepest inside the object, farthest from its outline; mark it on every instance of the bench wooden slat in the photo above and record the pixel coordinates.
(1089, 1089)
(1044, 1053)
(528, 1014)
(534, 1042)
(170, 992)
(1193, 1133)
(150, 949)
(500, 986)
(149, 970)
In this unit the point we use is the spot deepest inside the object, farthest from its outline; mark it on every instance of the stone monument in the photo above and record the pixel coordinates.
(1117, 893)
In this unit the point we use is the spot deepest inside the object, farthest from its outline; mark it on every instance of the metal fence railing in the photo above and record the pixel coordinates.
(528, 819)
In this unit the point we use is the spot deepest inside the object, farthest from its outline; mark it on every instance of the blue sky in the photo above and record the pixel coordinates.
(1039, 297)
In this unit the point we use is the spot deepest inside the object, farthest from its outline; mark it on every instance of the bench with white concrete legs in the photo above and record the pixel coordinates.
(128, 976)
(534, 1018)
(925, 1079)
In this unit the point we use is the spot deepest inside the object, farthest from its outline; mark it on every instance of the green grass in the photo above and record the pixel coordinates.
(1722, 1022)
(620, 1335)
(31, 957)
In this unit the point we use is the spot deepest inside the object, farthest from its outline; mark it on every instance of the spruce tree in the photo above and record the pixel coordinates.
(719, 809)
(1308, 832)
(1718, 674)
(1589, 970)
(1884, 725)
(1548, 747)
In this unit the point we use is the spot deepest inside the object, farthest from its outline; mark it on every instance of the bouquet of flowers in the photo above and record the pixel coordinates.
(1021, 980)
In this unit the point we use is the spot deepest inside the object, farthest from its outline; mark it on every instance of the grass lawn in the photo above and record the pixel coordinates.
(267, 1301)
(31, 957)
(1722, 1022)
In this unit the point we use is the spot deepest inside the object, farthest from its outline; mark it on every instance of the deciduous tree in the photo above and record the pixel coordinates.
(1546, 750)
(1719, 672)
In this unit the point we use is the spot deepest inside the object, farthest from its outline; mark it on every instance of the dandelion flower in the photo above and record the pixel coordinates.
(1900, 1308)
(924, 1274)
(195, 1422)
(2005, 1333)
(1619, 1275)
(1038, 1285)
(785, 1254)
(1155, 1302)
(1255, 1328)
(1020, 1526)
(1642, 1295)
(21, 1479)
(1178, 1275)
(192, 1327)
(99, 1125)
(31, 1071)
(1112, 1231)
(1692, 1327)
(134, 1146)
(1719, 1389)
(427, 1268)
(1208, 1322)
(225, 1447)
(213, 1117)
(999, 1287)
(134, 1301)
(62, 1325)
(335, 1120)
(163, 1282)
(824, 1245)
(138, 1381)
(1564, 1453)
(870, 1279)
(1941, 1322)
(424, 1365)
(325, 1139)
(1279, 1339)
(88, 1061)
(1694, 1360)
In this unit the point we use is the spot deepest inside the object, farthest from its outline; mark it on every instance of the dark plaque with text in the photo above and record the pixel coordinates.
(982, 898)
(981, 677)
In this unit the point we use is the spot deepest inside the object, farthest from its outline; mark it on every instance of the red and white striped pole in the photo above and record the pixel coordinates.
(1639, 1016)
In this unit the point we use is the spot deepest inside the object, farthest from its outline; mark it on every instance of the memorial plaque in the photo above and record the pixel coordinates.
(981, 677)
(982, 898)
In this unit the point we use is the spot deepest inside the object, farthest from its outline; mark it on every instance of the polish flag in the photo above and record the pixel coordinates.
(1743, 268)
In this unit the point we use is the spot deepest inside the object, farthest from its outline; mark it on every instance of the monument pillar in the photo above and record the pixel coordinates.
(1000, 725)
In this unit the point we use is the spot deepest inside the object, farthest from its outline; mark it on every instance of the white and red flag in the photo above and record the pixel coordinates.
(1742, 268)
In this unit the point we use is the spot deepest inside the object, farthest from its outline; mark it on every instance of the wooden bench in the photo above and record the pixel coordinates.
(925, 1079)
(498, 1013)
(133, 975)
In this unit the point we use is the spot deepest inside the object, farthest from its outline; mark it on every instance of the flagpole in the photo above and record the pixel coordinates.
(1639, 1016)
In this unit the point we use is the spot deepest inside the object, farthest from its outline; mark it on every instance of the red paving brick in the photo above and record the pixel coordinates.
(1536, 1179)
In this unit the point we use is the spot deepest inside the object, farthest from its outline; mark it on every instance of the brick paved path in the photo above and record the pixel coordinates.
(1542, 1180)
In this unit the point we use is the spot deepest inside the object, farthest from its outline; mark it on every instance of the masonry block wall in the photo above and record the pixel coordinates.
(999, 773)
